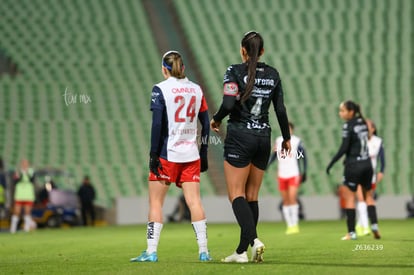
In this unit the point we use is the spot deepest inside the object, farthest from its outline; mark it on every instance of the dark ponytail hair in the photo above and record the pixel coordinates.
(173, 61)
(253, 43)
(352, 106)
(373, 126)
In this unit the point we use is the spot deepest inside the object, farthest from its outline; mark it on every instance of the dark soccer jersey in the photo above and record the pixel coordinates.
(254, 112)
(355, 134)
(354, 142)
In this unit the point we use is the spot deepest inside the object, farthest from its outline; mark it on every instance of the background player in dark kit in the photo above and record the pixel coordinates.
(358, 168)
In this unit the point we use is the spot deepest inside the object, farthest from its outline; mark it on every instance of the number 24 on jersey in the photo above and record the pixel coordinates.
(185, 108)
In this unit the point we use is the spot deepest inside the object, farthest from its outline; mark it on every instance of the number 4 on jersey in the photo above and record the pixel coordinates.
(190, 111)
(257, 108)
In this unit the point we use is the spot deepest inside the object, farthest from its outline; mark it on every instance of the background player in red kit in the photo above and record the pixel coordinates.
(176, 104)
(290, 175)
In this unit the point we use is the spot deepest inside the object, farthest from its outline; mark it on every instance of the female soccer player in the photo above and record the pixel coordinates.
(249, 89)
(290, 177)
(358, 168)
(176, 104)
(366, 207)
(24, 196)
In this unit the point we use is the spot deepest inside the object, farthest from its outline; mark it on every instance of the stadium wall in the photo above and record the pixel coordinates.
(134, 210)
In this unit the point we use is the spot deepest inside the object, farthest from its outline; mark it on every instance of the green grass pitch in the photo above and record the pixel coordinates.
(107, 250)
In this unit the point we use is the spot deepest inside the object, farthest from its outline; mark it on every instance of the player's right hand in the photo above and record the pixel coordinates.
(215, 125)
(154, 163)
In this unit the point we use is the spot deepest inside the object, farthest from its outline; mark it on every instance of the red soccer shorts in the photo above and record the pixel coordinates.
(284, 183)
(173, 172)
(24, 203)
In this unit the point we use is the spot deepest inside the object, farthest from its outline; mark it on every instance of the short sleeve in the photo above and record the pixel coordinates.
(203, 106)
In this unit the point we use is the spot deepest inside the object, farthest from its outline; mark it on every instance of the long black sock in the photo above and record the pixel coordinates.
(372, 214)
(245, 219)
(350, 219)
(254, 206)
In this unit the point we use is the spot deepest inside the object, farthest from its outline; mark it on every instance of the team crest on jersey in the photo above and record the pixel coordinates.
(231, 89)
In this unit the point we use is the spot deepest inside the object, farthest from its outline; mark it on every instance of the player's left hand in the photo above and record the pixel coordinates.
(380, 175)
(154, 164)
(286, 145)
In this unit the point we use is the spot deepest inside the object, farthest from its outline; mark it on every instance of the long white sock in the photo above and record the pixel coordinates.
(200, 230)
(294, 210)
(27, 222)
(287, 215)
(153, 236)
(14, 222)
(362, 214)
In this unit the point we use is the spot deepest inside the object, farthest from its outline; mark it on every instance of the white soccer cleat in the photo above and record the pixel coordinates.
(236, 258)
(257, 251)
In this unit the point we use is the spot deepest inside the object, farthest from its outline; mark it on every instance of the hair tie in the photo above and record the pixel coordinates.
(166, 65)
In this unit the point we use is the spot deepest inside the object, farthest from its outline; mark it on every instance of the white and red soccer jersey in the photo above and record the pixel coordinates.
(374, 147)
(183, 101)
(288, 165)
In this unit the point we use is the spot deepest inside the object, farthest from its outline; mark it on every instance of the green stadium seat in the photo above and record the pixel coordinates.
(338, 57)
(326, 52)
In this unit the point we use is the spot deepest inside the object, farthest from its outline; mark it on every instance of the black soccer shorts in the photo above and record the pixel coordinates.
(358, 172)
(242, 147)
